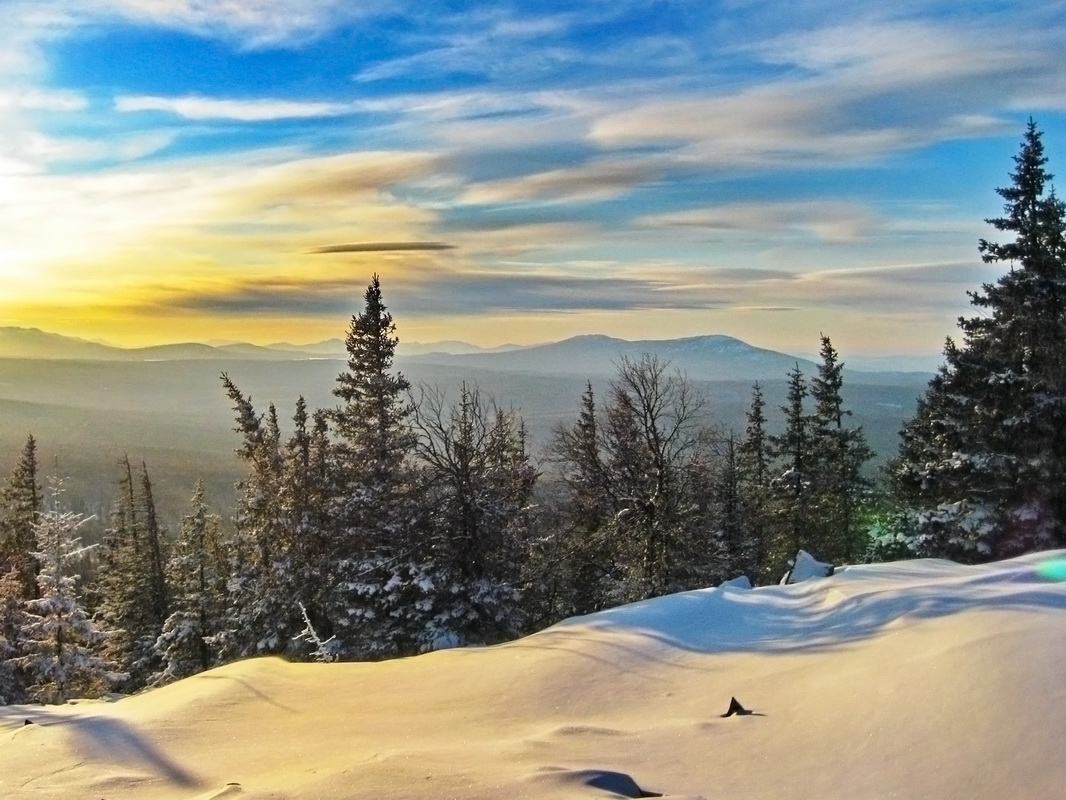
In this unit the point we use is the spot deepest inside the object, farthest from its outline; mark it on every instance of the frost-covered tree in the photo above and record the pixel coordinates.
(654, 466)
(132, 580)
(62, 644)
(373, 507)
(197, 570)
(20, 505)
(584, 560)
(281, 557)
(12, 645)
(477, 483)
(981, 463)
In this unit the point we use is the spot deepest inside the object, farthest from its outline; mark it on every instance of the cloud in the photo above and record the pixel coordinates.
(827, 221)
(422, 290)
(30, 99)
(115, 229)
(250, 23)
(852, 93)
(587, 182)
(201, 108)
(381, 247)
(490, 41)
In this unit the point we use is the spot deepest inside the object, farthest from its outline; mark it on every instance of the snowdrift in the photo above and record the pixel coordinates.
(918, 679)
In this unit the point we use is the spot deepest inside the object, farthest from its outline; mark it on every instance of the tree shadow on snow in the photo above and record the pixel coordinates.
(104, 739)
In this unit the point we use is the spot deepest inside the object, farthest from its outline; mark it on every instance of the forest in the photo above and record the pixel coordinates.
(401, 520)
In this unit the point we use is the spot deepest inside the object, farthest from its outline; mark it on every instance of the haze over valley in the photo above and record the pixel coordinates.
(89, 403)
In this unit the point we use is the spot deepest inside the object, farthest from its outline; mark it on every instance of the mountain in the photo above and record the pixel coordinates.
(713, 357)
(915, 679)
(35, 343)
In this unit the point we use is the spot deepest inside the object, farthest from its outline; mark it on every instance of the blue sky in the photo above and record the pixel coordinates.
(192, 169)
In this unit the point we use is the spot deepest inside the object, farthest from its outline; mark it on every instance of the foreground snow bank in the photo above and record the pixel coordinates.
(914, 679)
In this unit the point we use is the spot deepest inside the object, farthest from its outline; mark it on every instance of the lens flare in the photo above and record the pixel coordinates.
(1052, 570)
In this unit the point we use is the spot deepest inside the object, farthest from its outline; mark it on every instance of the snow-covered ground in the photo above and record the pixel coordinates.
(919, 679)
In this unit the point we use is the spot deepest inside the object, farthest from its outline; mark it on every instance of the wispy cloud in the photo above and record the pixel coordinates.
(432, 292)
(251, 23)
(593, 181)
(828, 221)
(201, 108)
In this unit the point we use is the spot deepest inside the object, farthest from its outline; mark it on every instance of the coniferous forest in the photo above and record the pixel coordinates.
(402, 520)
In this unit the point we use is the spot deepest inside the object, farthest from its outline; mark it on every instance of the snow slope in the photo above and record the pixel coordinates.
(918, 679)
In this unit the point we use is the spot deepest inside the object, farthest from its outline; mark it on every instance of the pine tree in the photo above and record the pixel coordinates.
(732, 512)
(62, 643)
(270, 576)
(372, 422)
(981, 463)
(791, 487)
(20, 507)
(655, 454)
(585, 564)
(190, 640)
(373, 505)
(12, 643)
(132, 582)
(754, 476)
(477, 484)
(840, 488)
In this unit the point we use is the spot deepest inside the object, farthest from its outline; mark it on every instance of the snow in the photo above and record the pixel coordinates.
(913, 679)
(805, 567)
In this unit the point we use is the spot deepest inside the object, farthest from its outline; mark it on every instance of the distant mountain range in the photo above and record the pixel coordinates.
(712, 357)
(38, 344)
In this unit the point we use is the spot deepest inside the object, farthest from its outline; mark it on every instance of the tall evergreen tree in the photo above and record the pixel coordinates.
(373, 477)
(586, 563)
(132, 582)
(791, 487)
(12, 638)
(477, 483)
(190, 640)
(981, 463)
(62, 644)
(655, 453)
(840, 488)
(754, 476)
(20, 507)
(279, 557)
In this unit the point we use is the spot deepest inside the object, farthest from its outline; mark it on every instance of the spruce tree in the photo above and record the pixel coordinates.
(132, 582)
(981, 463)
(269, 577)
(372, 479)
(586, 561)
(20, 507)
(754, 476)
(791, 487)
(61, 657)
(190, 640)
(477, 482)
(840, 488)
(12, 638)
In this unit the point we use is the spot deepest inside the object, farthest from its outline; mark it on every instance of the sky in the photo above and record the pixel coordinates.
(515, 172)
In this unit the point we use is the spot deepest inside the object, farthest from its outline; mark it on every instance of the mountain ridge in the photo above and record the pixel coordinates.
(708, 356)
